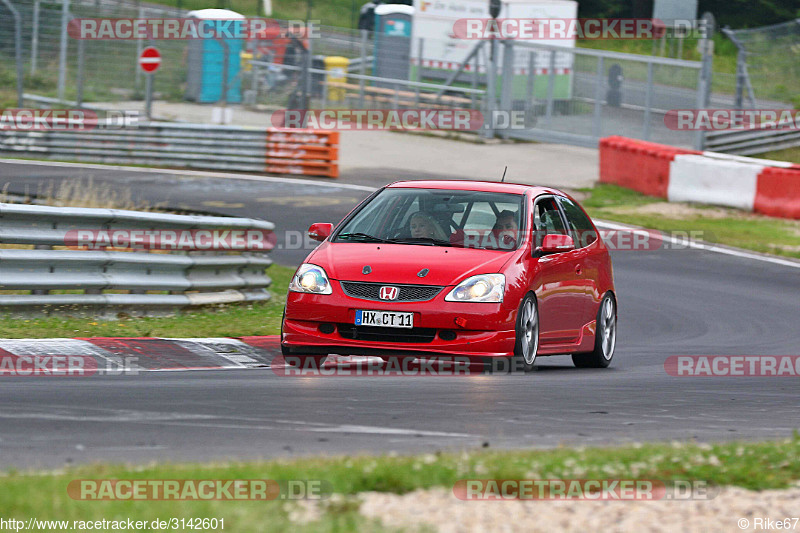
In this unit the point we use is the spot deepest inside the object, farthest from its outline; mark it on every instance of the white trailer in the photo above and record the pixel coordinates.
(439, 52)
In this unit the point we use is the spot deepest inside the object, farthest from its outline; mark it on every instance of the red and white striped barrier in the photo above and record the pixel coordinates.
(88, 357)
(679, 175)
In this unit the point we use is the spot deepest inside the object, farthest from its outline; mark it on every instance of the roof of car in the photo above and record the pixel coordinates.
(469, 185)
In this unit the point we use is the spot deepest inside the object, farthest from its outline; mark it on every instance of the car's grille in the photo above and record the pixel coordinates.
(407, 293)
(372, 333)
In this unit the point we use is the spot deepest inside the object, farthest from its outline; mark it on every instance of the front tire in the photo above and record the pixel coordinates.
(527, 344)
(302, 361)
(605, 339)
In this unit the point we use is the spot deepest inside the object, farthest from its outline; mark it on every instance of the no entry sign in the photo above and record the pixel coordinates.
(150, 59)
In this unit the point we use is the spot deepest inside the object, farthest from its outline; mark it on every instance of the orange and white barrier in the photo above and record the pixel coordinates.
(308, 152)
(181, 145)
(679, 175)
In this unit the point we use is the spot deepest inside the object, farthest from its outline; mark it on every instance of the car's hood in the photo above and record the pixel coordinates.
(400, 263)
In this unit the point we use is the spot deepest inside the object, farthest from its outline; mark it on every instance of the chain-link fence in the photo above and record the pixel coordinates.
(580, 95)
(58, 65)
(565, 94)
(768, 65)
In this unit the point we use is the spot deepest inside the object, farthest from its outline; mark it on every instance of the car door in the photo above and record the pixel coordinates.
(587, 257)
(560, 293)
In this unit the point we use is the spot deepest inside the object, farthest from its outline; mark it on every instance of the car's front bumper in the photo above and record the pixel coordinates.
(326, 324)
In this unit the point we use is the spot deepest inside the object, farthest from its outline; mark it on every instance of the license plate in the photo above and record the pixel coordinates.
(386, 319)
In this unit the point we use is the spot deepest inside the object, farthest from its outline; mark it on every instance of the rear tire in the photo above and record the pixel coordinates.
(605, 339)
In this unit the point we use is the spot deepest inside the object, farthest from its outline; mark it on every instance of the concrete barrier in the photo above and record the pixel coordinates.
(679, 175)
(638, 165)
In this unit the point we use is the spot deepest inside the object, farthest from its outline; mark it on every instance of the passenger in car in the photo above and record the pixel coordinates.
(506, 229)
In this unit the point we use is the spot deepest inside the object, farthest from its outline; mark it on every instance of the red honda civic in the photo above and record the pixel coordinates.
(452, 268)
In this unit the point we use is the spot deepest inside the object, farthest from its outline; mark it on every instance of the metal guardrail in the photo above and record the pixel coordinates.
(191, 279)
(201, 146)
(752, 141)
(49, 102)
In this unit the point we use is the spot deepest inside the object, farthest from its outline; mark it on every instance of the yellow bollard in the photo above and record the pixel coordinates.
(337, 73)
(245, 58)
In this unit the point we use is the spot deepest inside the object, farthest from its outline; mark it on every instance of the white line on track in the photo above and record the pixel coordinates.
(207, 420)
(197, 173)
(378, 430)
(707, 246)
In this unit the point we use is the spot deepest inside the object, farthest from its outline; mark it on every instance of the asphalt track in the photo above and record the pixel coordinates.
(671, 302)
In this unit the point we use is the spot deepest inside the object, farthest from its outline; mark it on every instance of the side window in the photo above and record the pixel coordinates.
(547, 220)
(579, 224)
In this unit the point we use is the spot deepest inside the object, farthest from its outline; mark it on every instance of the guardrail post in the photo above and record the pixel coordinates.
(508, 75)
(307, 93)
(598, 99)
(35, 36)
(551, 81)
(704, 89)
(17, 49)
(506, 104)
(531, 85)
(80, 74)
(62, 55)
(41, 292)
(225, 75)
(361, 68)
(475, 75)
(648, 101)
(420, 52)
(139, 49)
(491, 92)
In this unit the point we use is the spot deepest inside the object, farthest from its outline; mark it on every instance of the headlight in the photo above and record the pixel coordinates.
(481, 288)
(311, 279)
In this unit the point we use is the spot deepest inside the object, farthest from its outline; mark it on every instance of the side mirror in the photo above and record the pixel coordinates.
(555, 243)
(320, 231)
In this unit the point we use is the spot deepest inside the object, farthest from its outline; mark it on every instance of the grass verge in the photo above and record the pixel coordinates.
(718, 225)
(792, 155)
(223, 321)
(754, 466)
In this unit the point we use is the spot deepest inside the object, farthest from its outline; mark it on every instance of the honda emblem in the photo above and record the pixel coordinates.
(389, 293)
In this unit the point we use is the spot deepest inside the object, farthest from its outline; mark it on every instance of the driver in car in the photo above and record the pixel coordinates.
(423, 225)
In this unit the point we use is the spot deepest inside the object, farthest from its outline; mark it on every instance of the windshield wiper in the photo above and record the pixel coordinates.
(422, 240)
(361, 237)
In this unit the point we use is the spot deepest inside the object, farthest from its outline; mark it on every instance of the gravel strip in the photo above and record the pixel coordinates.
(438, 510)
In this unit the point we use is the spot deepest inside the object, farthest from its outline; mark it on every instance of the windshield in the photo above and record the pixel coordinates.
(437, 217)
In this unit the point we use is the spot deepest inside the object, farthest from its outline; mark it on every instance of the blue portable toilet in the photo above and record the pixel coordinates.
(206, 58)
(392, 42)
